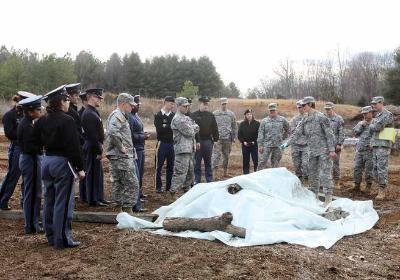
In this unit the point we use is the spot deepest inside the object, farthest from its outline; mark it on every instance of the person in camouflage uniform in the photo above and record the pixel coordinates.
(321, 143)
(227, 129)
(122, 155)
(363, 155)
(184, 130)
(381, 148)
(273, 130)
(337, 125)
(299, 147)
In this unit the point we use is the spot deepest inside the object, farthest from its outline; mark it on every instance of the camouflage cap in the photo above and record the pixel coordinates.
(272, 106)
(181, 101)
(125, 98)
(377, 99)
(308, 99)
(299, 104)
(223, 100)
(329, 105)
(366, 109)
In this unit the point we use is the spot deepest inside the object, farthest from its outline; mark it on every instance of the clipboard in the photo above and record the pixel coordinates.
(388, 133)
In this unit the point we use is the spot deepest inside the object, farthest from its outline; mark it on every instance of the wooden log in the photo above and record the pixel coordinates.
(86, 217)
(221, 223)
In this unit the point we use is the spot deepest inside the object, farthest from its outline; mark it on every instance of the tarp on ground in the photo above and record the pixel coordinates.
(272, 206)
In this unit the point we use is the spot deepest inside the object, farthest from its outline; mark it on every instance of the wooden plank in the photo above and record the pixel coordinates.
(86, 217)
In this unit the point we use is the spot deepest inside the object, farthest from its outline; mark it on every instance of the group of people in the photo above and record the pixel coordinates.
(66, 145)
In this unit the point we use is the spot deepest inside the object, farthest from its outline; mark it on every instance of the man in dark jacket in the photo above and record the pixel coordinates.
(247, 135)
(205, 139)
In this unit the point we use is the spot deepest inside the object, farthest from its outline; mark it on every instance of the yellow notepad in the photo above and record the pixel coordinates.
(388, 133)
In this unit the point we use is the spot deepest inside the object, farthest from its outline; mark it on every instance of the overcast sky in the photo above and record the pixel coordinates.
(244, 39)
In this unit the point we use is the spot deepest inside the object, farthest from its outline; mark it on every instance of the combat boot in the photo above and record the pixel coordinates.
(356, 187)
(127, 210)
(368, 188)
(225, 173)
(215, 174)
(337, 184)
(381, 194)
(328, 199)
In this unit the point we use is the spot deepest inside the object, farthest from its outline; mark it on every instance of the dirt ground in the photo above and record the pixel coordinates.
(107, 253)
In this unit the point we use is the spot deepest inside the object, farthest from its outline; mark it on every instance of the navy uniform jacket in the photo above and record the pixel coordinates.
(73, 112)
(10, 122)
(56, 132)
(137, 131)
(163, 127)
(26, 138)
(93, 129)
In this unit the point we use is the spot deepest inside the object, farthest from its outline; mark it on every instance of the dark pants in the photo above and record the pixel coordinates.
(205, 153)
(82, 188)
(31, 173)
(58, 208)
(139, 172)
(10, 181)
(94, 176)
(248, 151)
(164, 151)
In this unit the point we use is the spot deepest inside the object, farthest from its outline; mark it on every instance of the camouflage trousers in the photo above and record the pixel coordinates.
(125, 183)
(270, 152)
(320, 172)
(300, 160)
(381, 165)
(223, 147)
(183, 172)
(336, 167)
(363, 160)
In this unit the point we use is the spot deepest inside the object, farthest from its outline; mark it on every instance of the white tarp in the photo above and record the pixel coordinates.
(272, 206)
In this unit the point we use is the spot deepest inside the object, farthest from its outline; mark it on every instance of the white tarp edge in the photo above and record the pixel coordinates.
(272, 206)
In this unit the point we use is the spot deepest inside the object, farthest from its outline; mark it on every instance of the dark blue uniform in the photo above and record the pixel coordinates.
(10, 122)
(92, 148)
(30, 165)
(164, 149)
(137, 132)
(58, 135)
(207, 135)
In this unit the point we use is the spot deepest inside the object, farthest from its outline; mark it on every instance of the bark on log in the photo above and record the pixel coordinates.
(222, 223)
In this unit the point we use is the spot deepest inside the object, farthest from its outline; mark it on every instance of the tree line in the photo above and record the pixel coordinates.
(353, 80)
(154, 78)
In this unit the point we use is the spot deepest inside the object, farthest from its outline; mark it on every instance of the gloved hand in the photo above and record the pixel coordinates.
(283, 146)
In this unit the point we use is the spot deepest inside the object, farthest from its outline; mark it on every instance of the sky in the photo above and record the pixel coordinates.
(246, 40)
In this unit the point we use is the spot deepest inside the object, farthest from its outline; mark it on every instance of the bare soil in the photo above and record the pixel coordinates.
(107, 253)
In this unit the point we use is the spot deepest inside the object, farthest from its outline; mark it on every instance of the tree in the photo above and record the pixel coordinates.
(114, 74)
(188, 90)
(89, 70)
(392, 89)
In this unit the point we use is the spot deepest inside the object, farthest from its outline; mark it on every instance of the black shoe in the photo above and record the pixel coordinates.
(105, 201)
(30, 231)
(143, 200)
(143, 195)
(73, 244)
(97, 204)
(40, 230)
(6, 208)
(141, 210)
(159, 191)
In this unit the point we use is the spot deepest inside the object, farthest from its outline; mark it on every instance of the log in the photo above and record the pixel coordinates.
(221, 223)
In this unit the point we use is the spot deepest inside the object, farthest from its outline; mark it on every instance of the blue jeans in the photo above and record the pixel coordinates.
(205, 153)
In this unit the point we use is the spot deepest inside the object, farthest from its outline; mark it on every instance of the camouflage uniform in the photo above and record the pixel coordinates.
(363, 157)
(318, 132)
(381, 148)
(125, 184)
(271, 134)
(337, 125)
(184, 130)
(227, 129)
(299, 150)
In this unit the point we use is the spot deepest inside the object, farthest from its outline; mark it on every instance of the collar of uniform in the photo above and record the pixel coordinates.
(165, 113)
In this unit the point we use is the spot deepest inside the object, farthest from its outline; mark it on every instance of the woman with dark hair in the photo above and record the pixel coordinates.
(30, 162)
(62, 162)
(247, 135)
(10, 122)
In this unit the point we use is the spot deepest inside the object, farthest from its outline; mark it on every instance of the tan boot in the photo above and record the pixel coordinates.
(368, 188)
(328, 199)
(381, 194)
(225, 173)
(337, 184)
(215, 174)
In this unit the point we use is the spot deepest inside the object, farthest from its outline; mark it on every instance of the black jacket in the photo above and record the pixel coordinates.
(56, 132)
(208, 126)
(93, 129)
(10, 122)
(26, 138)
(73, 112)
(163, 127)
(248, 132)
